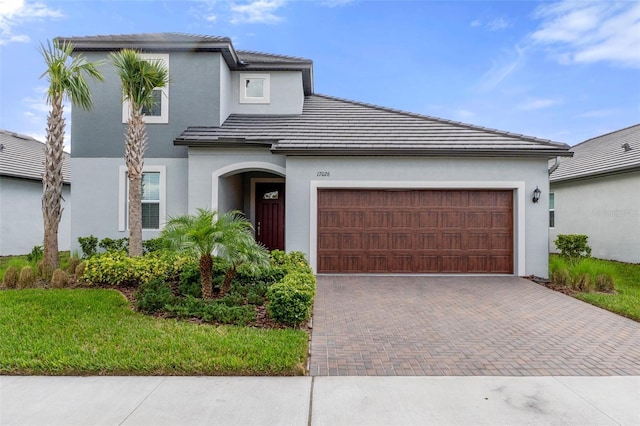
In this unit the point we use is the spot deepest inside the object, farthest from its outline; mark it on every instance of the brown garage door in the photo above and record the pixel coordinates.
(415, 231)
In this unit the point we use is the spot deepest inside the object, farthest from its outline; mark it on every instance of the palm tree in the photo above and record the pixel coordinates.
(229, 235)
(67, 80)
(139, 78)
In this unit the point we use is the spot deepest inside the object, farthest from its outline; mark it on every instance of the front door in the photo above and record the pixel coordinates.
(270, 215)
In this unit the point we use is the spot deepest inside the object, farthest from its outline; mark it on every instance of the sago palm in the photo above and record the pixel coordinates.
(139, 78)
(67, 80)
(207, 233)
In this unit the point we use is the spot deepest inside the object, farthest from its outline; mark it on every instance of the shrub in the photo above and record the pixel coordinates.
(153, 295)
(59, 279)
(109, 244)
(189, 284)
(88, 245)
(211, 311)
(584, 275)
(79, 271)
(35, 255)
(153, 244)
(27, 278)
(10, 279)
(232, 299)
(290, 301)
(254, 298)
(573, 246)
(117, 268)
(605, 283)
(561, 277)
(73, 264)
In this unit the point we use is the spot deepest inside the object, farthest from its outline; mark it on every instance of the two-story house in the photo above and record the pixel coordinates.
(358, 188)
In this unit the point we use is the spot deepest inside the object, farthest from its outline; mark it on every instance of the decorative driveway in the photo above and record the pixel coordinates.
(464, 326)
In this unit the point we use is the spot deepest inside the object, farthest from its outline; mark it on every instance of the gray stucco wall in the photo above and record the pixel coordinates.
(606, 209)
(225, 91)
(287, 94)
(97, 195)
(358, 171)
(194, 100)
(21, 226)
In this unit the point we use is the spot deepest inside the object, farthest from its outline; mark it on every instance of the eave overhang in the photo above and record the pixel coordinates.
(594, 175)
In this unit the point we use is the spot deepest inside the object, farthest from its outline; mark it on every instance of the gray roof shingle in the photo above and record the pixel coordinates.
(333, 125)
(602, 155)
(23, 157)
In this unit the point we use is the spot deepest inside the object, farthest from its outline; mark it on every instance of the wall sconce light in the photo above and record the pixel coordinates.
(536, 194)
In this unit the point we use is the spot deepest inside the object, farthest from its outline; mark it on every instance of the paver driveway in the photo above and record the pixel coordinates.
(409, 325)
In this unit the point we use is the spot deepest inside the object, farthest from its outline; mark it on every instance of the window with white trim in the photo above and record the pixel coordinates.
(552, 210)
(158, 113)
(255, 88)
(153, 198)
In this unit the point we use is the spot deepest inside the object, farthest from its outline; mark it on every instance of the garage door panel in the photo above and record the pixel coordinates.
(423, 231)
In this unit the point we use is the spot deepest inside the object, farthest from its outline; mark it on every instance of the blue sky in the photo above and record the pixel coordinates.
(565, 71)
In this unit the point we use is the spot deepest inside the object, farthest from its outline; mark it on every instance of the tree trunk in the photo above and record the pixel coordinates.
(206, 270)
(135, 145)
(228, 277)
(52, 185)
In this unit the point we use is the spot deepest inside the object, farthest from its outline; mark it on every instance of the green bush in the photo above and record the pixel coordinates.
(573, 246)
(255, 299)
(27, 278)
(153, 244)
(35, 255)
(109, 244)
(153, 296)
(117, 268)
(189, 284)
(584, 275)
(11, 275)
(211, 311)
(88, 245)
(290, 301)
(233, 299)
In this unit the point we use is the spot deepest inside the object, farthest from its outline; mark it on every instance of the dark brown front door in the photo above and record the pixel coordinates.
(415, 231)
(270, 215)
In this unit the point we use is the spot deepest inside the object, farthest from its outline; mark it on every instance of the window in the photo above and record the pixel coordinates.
(153, 198)
(255, 88)
(552, 210)
(158, 113)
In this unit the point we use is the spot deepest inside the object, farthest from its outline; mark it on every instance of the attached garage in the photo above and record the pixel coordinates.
(415, 231)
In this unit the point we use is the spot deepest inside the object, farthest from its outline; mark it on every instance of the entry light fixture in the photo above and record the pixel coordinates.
(536, 194)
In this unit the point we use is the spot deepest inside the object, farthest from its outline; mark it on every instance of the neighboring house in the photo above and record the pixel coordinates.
(21, 169)
(597, 193)
(358, 188)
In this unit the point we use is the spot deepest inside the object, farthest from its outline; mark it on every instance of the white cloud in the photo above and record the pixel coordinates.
(498, 24)
(257, 12)
(501, 69)
(16, 13)
(591, 31)
(533, 104)
(337, 3)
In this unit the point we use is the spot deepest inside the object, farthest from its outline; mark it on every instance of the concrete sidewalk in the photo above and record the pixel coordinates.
(319, 401)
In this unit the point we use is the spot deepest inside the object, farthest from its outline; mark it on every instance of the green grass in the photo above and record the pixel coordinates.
(95, 332)
(626, 300)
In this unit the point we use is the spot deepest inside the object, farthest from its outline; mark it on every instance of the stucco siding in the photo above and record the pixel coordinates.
(606, 209)
(287, 94)
(304, 174)
(21, 226)
(97, 196)
(194, 100)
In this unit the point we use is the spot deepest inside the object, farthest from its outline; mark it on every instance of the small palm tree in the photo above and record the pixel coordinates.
(67, 80)
(139, 78)
(207, 233)
(244, 250)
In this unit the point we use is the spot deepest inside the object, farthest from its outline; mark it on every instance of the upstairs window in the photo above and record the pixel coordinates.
(552, 210)
(158, 113)
(255, 88)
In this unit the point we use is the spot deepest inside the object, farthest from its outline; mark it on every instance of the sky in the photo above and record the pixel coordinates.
(560, 70)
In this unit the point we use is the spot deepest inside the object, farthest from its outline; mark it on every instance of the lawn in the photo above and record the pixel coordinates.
(626, 300)
(95, 332)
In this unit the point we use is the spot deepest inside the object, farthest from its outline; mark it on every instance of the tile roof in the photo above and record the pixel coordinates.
(333, 125)
(602, 155)
(23, 157)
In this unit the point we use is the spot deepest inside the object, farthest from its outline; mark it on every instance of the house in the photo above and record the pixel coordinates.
(597, 193)
(358, 188)
(21, 169)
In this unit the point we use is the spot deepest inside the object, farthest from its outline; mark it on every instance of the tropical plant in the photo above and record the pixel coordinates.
(139, 78)
(67, 80)
(208, 232)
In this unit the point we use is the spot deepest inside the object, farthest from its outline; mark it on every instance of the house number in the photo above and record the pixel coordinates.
(324, 174)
